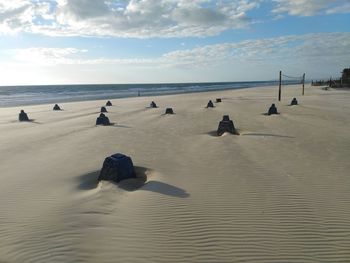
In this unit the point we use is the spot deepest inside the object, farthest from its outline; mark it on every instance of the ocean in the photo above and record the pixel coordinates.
(31, 95)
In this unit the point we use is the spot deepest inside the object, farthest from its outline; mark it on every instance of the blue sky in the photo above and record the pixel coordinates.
(151, 41)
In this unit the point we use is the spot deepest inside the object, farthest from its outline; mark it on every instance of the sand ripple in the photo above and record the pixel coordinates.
(280, 192)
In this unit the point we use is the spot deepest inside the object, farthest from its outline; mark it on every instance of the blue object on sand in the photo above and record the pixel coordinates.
(102, 120)
(23, 116)
(294, 102)
(116, 168)
(226, 125)
(153, 105)
(210, 104)
(272, 110)
(169, 111)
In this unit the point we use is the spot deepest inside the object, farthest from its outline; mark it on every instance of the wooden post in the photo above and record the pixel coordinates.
(303, 84)
(279, 87)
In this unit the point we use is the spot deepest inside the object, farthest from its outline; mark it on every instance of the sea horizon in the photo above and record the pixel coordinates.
(24, 95)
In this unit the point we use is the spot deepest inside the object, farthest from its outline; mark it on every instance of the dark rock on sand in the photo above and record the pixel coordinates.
(103, 109)
(109, 103)
(116, 168)
(218, 100)
(102, 120)
(56, 107)
(210, 104)
(153, 105)
(294, 102)
(23, 116)
(169, 111)
(226, 125)
(272, 110)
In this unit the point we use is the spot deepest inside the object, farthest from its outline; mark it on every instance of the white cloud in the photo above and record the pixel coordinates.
(14, 15)
(146, 18)
(319, 55)
(345, 8)
(318, 47)
(47, 56)
(289, 49)
(125, 18)
(311, 7)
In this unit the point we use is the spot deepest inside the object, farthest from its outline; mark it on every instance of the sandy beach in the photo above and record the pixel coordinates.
(278, 192)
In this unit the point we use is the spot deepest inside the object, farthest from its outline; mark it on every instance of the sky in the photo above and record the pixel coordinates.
(156, 41)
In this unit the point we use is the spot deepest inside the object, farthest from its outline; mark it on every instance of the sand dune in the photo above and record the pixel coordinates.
(279, 192)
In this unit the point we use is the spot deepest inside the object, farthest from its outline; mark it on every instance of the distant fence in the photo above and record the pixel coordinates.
(332, 83)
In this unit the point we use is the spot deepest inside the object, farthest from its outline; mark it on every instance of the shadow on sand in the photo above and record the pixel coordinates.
(89, 181)
(29, 121)
(165, 189)
(269, 135)
(239, 132)
(120, 126)
(215, 133)
(112, 124)
(266, 114)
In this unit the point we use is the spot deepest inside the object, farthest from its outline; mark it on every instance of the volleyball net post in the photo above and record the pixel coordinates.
(279, 87)
(296, 80)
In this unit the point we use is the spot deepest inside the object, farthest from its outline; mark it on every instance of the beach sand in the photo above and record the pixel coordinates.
(278, 192)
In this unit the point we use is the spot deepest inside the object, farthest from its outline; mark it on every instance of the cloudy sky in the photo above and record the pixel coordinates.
(151, 41)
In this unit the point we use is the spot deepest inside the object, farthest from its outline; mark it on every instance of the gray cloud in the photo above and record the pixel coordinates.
(198, 16)
(311, 7)
(325, 47)
(310, 48)
(83, 9)
(125, 18)
(340, 9)
(146, 18)
(319, 55)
